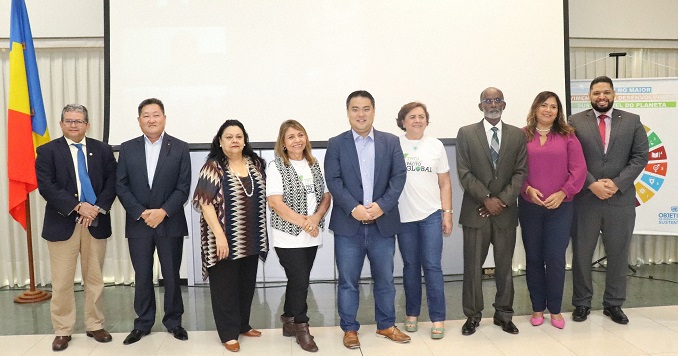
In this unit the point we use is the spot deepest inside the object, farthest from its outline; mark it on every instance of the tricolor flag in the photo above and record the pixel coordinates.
(26, 121)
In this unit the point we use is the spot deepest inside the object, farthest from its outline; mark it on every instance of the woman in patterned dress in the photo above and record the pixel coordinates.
(298, 199)
(231, 194)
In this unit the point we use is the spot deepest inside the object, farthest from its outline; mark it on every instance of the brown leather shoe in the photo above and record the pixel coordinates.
(351, 340)
(394, 334)
(60, 343)
(288, 325)
(252, 333)
(100, 335)
(304, 337)
(232, 347)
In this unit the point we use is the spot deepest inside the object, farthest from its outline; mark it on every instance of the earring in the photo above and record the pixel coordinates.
(284, 148)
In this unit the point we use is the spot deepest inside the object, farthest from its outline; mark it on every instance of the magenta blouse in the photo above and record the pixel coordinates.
(557, 165)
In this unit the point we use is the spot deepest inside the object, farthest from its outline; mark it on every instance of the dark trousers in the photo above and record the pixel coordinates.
(476, 245)
(546, 234)
(297, 263)
(232, 285)
(615, 224)
(169, 253)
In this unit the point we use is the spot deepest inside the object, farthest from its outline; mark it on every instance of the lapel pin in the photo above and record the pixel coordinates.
(90, 153)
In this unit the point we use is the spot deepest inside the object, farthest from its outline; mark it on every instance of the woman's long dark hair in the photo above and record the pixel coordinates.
(217, 154)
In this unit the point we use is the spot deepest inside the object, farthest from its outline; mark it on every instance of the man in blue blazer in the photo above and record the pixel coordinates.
(76, 176)
(153, 180)
(365, 173)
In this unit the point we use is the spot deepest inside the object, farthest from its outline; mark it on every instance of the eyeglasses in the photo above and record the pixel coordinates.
(75, 122)
(489, 101)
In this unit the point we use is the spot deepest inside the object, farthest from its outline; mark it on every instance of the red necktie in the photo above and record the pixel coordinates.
(601, 128)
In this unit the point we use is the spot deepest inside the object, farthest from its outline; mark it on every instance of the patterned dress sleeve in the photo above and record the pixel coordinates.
(209, 182)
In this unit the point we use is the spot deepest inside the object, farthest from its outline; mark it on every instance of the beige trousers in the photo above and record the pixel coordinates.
(63, 258)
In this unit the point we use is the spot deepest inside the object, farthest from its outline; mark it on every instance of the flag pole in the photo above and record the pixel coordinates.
(32, 295)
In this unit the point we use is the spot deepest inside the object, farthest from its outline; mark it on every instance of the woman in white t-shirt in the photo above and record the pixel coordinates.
(298, 199)
(426, 213)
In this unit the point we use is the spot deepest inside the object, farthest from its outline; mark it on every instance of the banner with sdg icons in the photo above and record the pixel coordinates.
(654, 99)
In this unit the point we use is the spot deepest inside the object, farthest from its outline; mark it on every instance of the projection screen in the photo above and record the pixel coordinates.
(263, 62)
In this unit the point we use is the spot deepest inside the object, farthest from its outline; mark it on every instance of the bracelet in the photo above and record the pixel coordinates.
(448, 211)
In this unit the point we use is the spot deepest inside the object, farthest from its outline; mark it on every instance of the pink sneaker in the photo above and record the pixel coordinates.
(537, 321)
(558, 323)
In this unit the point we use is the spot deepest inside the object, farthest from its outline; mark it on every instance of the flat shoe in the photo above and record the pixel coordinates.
(558, 323)
(252, 333)
(232, 347)
(437, 333)
(537, 321)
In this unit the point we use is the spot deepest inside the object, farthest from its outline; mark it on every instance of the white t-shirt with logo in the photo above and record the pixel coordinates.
(424, 159)
(274, 186)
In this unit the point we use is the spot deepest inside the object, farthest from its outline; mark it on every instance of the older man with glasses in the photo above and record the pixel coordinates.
(492, 166)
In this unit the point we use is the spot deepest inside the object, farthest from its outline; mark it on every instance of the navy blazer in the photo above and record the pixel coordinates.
(342, 174)
(58, 185)
(171, 184)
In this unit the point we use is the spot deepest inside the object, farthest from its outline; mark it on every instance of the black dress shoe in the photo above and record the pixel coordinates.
(470, 326)
(135, 336)
(507, 326)
(616, 314)
(580, 313)
(179, 333)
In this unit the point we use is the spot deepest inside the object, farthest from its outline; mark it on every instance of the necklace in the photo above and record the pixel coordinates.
(232, 173)
(544, 130)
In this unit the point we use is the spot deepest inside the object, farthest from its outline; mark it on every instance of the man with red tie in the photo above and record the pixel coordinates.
(616, 151)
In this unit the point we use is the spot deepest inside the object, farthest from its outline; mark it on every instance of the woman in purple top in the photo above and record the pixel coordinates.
(556, 172)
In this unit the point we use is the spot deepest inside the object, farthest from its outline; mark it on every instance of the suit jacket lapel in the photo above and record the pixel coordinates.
(592, 127)
(141, 147)
(164, 152)
(379, 142)
(352, 152)
(482, 138)
(616, 121)
(65, 152)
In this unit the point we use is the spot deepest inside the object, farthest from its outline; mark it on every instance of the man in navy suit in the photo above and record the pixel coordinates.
(76, 176)
(365, 173)
(153, 180)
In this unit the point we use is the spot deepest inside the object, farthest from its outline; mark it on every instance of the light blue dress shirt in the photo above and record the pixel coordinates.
(365, 148)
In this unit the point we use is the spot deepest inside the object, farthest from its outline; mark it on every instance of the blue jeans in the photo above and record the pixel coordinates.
(421, 246)
(350, 252)
(546, 234)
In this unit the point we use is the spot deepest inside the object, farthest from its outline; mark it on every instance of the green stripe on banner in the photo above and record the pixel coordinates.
(631, 104)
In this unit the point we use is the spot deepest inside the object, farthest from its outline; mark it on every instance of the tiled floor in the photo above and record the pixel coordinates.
(652, 307)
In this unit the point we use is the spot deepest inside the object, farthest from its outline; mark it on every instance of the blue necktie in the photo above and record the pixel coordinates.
(494, 147)
(87, 193)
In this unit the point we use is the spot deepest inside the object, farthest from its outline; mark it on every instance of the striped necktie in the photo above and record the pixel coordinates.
(494, 147)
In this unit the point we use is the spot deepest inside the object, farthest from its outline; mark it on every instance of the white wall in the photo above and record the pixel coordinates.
(624, 19)
(59, 18)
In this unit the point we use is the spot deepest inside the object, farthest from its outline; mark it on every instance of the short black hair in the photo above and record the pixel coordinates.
(360, 93)
(601, 79)
(151, 101)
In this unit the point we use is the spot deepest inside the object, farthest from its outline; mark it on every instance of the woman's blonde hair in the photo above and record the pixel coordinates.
(280, 149)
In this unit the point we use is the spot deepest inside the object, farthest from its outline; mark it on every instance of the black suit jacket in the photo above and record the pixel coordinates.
(171, 184)
(58, 185)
